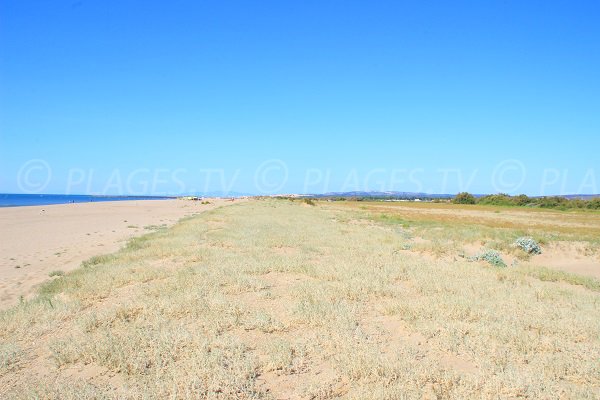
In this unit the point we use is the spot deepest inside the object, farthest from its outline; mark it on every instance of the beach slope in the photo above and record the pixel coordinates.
(39, 240)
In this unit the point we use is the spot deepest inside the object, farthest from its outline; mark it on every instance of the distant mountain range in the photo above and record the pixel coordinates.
(392, 194)
(221, 194)
(581, 196)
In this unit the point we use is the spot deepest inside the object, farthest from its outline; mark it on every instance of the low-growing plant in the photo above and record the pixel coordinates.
(101, 259)
(9, 355)
(155, 227)
(491, 256)
(529, 245)
(56, 273)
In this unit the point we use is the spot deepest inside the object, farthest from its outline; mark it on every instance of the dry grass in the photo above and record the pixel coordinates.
(443, 229)
(273, 299)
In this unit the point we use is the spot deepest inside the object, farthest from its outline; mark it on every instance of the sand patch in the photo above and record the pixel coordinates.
(569, 257)
(36, 240)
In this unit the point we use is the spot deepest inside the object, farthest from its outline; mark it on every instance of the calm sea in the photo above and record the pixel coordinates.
(17, 200)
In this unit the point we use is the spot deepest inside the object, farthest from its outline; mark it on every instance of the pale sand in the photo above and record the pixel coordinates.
(37, 240)
(569, 257)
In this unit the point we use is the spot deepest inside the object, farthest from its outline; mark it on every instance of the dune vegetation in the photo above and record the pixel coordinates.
(286, 299)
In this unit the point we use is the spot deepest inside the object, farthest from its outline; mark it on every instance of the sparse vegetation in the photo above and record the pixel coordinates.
(272, 299)
(56, 273)
(553, 275)
(155, 227)
(9, 355)
(97, 260)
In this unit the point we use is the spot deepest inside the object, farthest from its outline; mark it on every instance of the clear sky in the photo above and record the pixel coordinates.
(149, 97)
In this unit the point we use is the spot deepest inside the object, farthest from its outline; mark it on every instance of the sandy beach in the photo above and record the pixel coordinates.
(36, 240)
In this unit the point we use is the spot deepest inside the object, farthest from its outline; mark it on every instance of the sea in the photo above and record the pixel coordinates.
(19, 200)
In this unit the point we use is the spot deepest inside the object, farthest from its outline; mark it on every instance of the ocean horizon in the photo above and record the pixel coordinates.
(22, 200)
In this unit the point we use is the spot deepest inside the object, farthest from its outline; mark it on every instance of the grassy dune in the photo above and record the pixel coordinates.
(278, 299)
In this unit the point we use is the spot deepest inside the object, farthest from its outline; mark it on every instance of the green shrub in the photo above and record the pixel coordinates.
(594, 204)
(557, 202)
(464, 198)
(499, 199)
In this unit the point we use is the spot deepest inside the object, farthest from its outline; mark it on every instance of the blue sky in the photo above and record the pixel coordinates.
(148, 97)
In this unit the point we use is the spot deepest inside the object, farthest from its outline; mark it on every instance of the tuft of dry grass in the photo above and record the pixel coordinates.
(273, 299)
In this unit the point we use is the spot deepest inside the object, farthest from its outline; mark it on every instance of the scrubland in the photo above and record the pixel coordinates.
(280, 299)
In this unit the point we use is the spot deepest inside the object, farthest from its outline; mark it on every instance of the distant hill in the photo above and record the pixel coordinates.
(221, 194)
(385, 195)
(581, 196)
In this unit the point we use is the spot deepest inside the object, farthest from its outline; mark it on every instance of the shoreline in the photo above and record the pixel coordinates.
(38, 240)
(32, 200)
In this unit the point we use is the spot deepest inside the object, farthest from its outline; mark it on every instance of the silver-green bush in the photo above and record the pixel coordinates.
(529, 245)
(492, 257)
